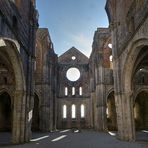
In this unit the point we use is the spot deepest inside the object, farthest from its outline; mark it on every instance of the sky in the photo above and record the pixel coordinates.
(72, 22)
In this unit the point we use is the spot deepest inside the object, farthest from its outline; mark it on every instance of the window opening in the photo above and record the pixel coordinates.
(73, 110)
(66, 91)
(73, 74)
(73, 91)
(64, 111)
(80, 91)
(82, 111)
(73, 57)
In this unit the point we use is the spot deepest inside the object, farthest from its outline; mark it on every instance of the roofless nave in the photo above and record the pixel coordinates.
(109, 92)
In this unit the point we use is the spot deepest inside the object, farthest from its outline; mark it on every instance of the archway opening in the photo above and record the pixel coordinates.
(141, 111)
(140, 82)
(35, 116)
(111, 113)
(12, 79)
(141, 116)
(5, 113)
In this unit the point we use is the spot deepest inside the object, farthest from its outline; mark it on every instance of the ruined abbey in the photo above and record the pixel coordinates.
(109, 90)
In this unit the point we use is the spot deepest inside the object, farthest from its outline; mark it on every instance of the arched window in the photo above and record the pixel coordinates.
(82, 111)
(73, 91)
(64, 111)
(80, 91)
(73, 111)
(66, 91)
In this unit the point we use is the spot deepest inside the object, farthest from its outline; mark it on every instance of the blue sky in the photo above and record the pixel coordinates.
(72, 22)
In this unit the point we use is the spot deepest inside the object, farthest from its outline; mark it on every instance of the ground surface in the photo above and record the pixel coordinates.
(83, 139)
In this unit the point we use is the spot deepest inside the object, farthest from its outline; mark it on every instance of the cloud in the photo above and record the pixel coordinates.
(83, 43)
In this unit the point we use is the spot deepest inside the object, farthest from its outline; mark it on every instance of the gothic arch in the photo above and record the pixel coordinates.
(7, 91)
(139, 90)
(11, 49)
(109, 92)
(128, 69)
(135, 50)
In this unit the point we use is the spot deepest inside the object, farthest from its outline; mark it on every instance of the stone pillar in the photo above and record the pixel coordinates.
(125, 116)
(100, 99)
(101, 108)
(91, 111)
(128, 116)
(92, 114)
(18, 126)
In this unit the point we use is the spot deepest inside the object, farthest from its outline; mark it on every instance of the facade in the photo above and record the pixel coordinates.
(17, 52)
(45, 83)
(128, 23)
(73, 92)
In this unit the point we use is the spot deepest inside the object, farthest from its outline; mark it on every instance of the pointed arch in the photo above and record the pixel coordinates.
(130, 61)
(12, 50)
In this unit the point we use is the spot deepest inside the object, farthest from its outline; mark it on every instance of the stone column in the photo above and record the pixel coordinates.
(100, 99)
(101, 108)
(129, 117)
(18, 126)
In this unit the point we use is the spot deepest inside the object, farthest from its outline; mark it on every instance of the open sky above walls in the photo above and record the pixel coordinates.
(72, 22)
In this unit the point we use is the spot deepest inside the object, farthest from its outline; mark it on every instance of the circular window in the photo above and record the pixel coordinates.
(73, 74)
(73, 57)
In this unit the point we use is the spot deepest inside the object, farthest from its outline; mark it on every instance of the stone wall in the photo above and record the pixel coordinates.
(128, 24)
(45, 80)
(101, 77)
(18, 24)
